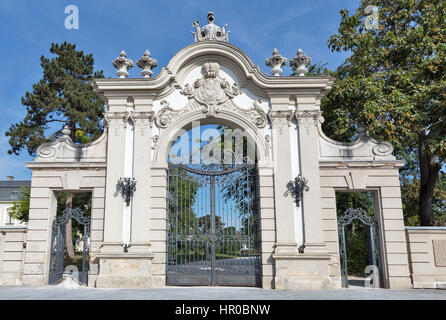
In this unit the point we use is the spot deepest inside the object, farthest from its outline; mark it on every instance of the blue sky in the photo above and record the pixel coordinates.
(28, 27)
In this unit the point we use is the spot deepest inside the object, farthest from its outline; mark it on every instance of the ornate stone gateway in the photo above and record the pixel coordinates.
(213, 216)
(213, 234)
(58, 241)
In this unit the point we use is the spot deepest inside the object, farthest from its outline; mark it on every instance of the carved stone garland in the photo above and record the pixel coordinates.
(211, 94)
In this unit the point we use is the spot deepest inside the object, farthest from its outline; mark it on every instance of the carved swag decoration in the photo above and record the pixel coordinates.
(211, 94)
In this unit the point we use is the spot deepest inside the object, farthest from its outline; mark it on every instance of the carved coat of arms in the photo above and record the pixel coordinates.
(211, 94)
(211, 90)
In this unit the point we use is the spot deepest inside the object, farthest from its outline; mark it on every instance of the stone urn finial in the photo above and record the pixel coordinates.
(123, 65)
(300, 63)
(275, 62)
(66, 133)
(147, 64)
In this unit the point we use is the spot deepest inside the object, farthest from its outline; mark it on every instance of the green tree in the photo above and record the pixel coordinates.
(410, 191)
(20, 207)
(62, 97)
(394, 84)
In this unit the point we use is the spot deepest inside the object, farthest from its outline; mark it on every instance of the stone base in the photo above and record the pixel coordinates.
(305, 271)
(34, 280)
(131, 269)
(429, 281)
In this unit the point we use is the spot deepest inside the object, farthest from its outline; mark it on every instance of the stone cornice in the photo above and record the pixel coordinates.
(96, 165)
(348, 164)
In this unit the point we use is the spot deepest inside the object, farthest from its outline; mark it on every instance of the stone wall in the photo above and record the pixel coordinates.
(12, 253)
(427, 256)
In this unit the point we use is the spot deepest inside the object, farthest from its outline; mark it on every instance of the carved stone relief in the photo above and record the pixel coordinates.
(142, 120)
(307, 118)
(211, 95)
(280, 119)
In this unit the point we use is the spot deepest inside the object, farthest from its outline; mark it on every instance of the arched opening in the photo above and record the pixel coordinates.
(213, 233)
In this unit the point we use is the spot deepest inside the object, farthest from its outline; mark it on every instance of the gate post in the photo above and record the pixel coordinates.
(308, 268)
(120, 266)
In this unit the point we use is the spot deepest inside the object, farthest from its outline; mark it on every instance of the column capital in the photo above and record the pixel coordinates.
(112, 118)
(280, 118)
(117, 120)
(306, 116)
(142, 120)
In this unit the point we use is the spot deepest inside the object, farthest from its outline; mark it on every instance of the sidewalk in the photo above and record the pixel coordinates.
(212, 293)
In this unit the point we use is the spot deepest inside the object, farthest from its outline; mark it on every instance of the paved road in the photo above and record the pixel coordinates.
(210, 293)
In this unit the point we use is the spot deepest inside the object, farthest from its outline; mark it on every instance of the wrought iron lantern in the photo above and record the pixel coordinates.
(296, 188)
(126, 186)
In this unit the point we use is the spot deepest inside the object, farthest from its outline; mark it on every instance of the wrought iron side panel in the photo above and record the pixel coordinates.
(213, 237)
(58, 243)
(372, 239)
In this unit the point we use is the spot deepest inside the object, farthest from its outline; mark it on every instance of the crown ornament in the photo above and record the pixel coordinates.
(210, 31)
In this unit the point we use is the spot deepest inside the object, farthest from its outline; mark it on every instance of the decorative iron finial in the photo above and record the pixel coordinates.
(123, 65)
(210, 31)
(300, 63)
(147, 64)
(275, 62)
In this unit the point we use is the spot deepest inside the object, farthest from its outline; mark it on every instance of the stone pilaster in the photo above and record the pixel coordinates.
(308, 121)
(129, 268)
(115, 169)
(286, 241)
(143, 122)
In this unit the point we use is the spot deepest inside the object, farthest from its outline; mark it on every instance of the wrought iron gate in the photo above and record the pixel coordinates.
(374, 256)
(213, 238)
(58, 242)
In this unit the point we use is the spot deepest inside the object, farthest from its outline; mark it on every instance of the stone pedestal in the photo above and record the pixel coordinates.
(119, 269)
(308, 271)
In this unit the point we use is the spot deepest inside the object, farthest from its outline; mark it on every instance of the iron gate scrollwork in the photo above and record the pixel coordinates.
(373, 242)
(213, 238)
(58, 243)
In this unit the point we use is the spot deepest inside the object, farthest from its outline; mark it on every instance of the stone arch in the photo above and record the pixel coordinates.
(159, 176)
(166, 137)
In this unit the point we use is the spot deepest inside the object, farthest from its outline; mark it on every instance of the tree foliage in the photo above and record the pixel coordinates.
(394, 83)
(62, 97)
(410, 192)
(20, 207)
